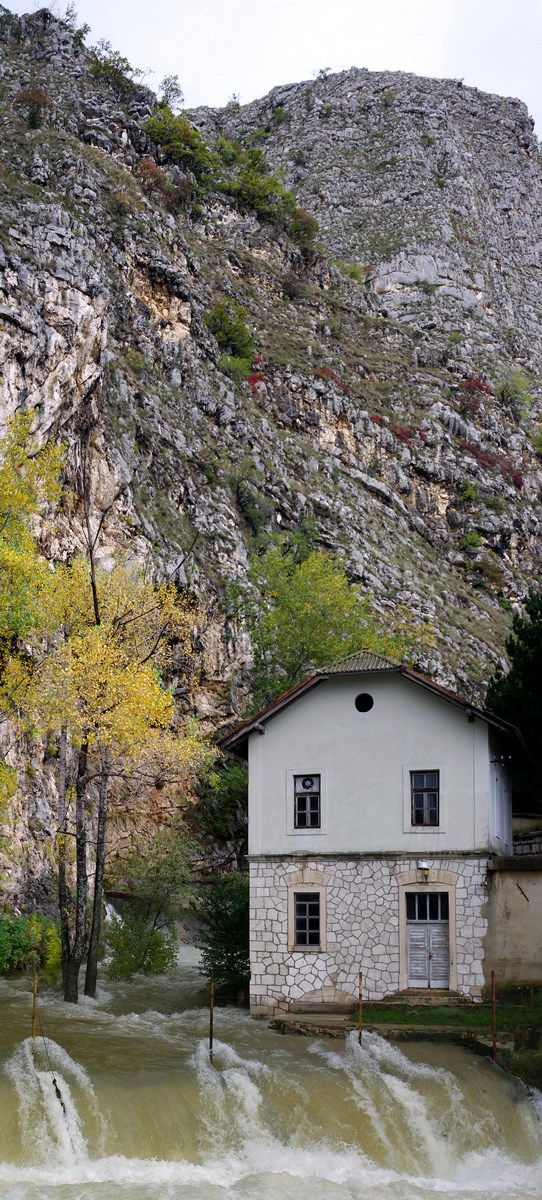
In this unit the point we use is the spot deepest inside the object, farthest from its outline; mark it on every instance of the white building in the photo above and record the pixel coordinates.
(376, 801)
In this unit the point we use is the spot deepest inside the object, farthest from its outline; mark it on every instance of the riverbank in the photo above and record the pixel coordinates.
(518, 1039)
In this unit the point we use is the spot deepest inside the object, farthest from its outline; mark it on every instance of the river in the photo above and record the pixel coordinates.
(122, 1103)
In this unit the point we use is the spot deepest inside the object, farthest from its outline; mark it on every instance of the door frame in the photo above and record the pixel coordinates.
(429, 927)
(414, 881)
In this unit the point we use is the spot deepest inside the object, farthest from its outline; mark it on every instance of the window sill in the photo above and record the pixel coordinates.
(424, 829)
(306, 832)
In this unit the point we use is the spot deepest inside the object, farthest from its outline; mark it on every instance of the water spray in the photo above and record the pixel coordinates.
(57, 1091)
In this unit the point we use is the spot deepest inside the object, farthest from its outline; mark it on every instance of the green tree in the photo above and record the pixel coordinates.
(224, 935)
(158, 880)
(159, 874)
(106, 63)
(515, 390)
(28, 941)
(303, 615)
(221, 814)
(517, 697)
(171, 93)
(227, 321)
(137, 944)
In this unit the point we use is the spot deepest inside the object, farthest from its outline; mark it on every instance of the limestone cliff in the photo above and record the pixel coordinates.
(385, 405)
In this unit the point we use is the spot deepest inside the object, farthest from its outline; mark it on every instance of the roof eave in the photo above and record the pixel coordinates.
(235, 740)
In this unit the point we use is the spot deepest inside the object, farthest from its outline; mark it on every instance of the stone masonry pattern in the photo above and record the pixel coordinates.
(362, 928)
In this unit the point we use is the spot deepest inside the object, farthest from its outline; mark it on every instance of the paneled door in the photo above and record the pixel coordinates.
(428, 940)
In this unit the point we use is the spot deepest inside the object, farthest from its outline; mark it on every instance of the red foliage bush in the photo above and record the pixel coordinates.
(470, 396)
(469, 406)
(35, 99)
(253, 380)
(403, 433)
(488, 459)
(327, 373)
(155, 180)
(473, 384)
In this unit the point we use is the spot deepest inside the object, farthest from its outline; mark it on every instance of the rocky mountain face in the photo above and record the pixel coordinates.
(393, 405)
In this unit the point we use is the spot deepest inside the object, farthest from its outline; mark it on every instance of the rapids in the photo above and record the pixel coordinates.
(120, 1102)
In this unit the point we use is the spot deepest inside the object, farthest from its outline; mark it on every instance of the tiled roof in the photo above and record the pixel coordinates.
(364, 660)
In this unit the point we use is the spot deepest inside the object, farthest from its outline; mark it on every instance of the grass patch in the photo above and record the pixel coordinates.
(510, 1017)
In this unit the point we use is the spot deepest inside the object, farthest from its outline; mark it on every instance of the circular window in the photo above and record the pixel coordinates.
(364, 702)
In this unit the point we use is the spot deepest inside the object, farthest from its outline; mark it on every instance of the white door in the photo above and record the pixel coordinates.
(428, 940)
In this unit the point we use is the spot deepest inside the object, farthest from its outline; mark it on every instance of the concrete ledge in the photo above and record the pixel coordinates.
(519, 862)
(335, 1025)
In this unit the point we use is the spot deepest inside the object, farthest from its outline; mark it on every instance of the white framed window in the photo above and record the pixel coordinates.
(305, 801)
(424, 798)
(306, 917)
(307, 920)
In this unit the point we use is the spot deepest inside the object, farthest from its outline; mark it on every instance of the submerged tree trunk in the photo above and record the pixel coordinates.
(94, 941)
(77, 953)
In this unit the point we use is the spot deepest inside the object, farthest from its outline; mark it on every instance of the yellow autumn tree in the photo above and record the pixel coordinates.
(28, 480)
(98, 689)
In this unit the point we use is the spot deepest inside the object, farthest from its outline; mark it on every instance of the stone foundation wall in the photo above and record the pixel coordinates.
(361, 927)
(529, 843)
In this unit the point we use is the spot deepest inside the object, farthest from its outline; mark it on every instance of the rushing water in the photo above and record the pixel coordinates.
(120, 1102)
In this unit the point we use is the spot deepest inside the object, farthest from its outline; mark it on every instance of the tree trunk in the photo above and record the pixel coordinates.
(63, 889)
(71, 980)
(94, 941)
(77, 954)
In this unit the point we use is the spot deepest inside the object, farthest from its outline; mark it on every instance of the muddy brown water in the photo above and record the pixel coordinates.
(122, 1103)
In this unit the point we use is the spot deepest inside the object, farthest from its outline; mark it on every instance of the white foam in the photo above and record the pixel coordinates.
(47, 1081)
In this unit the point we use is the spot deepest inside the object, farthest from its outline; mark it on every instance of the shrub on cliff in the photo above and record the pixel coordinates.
(226, 320)
(34, 100)
(106, 63)
(304, 230)
(178, 139)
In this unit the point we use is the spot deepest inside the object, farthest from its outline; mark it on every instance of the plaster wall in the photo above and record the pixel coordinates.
(364, 760)
(513, 947)
(363, 927)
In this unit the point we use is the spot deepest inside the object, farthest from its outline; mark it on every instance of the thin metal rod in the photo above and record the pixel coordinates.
(211, 1019)
(493, 1017)
(360, 1009)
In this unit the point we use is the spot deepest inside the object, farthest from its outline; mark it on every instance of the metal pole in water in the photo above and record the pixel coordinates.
(211, 1018)
(360, 1009)
(34, 1010)
(493, 1017)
